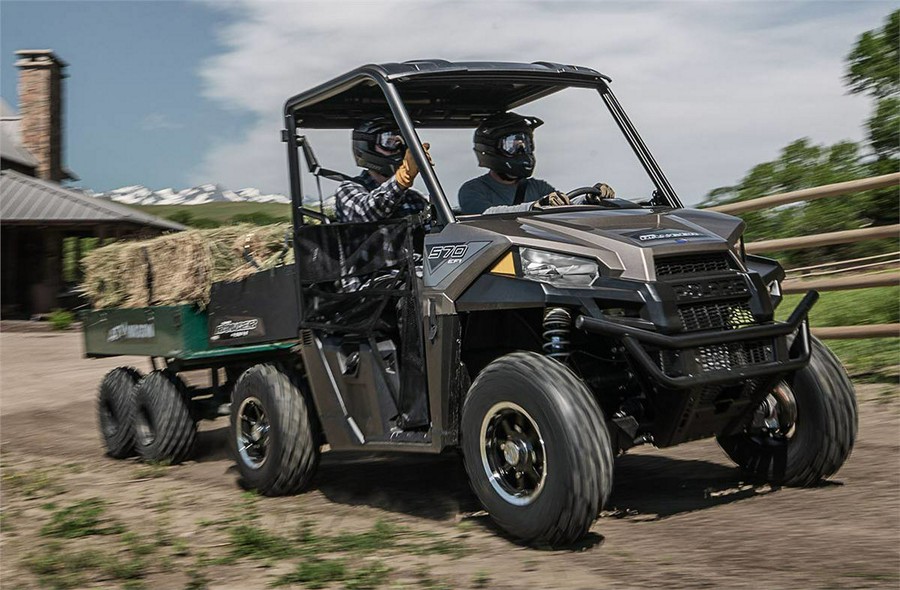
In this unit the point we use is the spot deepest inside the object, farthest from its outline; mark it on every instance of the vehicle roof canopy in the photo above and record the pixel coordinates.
(436, 93)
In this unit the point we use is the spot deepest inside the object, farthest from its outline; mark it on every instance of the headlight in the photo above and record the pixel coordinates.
(558, 269)
(775, 289)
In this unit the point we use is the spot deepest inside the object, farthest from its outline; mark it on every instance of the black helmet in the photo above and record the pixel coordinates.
(384, 133)
(505, 143)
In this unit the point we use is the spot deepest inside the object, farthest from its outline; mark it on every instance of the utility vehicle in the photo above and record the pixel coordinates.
(541, 345)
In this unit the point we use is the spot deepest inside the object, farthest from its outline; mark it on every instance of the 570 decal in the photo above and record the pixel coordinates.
(452, 253)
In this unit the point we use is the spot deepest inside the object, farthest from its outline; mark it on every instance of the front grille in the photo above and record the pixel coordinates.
(690, 264)
(713, 357)
(715, 316)
(723, 357)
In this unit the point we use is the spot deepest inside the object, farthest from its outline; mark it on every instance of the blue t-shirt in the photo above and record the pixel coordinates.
(484, 192)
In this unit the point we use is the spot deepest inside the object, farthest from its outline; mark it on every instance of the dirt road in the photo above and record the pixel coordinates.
(681, 517)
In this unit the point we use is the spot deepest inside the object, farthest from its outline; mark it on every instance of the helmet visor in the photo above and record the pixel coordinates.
(516, 143)
(389, 141)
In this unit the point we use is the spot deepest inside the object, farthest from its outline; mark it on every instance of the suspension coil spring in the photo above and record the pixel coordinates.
(557, 325)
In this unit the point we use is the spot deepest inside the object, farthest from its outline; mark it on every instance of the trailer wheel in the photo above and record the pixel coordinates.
(115, 411)
(537, 449)
(271, 432)
(164, 428)
(804, 430)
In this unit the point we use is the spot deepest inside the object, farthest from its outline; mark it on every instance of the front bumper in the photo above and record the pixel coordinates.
(778, 357)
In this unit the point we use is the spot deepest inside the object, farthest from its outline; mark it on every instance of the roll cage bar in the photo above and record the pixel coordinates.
(373, 90)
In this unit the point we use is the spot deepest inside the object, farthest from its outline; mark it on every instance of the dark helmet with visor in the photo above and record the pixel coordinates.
(505, 144)
(378, 146)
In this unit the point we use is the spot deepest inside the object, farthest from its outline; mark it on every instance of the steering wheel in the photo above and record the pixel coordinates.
(585, 190)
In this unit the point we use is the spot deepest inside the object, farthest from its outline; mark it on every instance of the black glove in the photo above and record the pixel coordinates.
(554, 199)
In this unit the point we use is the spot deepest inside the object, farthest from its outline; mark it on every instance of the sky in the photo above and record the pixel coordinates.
(175, 94)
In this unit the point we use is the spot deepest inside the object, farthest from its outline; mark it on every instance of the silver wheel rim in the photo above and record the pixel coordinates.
(776, 416)
(252, 429)
(513, 453)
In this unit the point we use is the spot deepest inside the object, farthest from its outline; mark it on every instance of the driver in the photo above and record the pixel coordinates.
(504, 143)
(384, 188)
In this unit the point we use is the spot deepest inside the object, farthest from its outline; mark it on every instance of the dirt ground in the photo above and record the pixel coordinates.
(680, 517)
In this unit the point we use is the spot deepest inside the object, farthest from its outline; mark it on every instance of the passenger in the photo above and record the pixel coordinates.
(384, 189)
(504, 143)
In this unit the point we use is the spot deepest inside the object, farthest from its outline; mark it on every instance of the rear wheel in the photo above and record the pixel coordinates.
(164, 428)
(271, 432)
(804, 430)
(115, 411)
(536, 449)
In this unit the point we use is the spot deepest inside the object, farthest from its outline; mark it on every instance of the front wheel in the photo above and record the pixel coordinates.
(536, 449)
(272, 432)
(804, 430)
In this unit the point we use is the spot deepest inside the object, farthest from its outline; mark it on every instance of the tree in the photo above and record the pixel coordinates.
(873, 68)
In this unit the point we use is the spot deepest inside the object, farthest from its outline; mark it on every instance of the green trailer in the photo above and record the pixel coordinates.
(155, 415)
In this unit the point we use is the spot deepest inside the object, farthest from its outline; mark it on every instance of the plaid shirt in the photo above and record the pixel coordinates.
(362, 199)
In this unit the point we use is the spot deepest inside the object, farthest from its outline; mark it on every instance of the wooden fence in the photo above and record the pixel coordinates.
(889, 264)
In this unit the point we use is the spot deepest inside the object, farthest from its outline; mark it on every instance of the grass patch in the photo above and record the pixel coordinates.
(60, 319)
(868, 359)
(35, 483)
(220, 213)
(315, 573)
(372, 540)
(481, 580)
(250, 540)
(56, 568)
(152, 470)
(81, 519)
(369, 577)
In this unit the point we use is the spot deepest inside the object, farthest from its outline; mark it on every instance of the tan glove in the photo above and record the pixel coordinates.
(606, 191)
(554, 199)
(408, 170)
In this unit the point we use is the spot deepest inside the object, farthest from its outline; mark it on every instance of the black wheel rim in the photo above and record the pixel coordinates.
(513, 453)
(109, 423)
(144, 427)
(252, 433)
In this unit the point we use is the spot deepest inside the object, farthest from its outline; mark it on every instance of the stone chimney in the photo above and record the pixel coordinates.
(41, 108)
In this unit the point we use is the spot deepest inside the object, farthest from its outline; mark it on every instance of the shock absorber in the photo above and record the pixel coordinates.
(557, 325)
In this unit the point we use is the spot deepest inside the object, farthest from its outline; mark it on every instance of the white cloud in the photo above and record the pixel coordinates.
(713, 87)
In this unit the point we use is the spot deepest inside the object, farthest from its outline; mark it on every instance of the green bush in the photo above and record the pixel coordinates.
(60, 319)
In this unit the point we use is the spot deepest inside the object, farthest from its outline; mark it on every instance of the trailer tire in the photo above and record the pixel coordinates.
(555, 443)
(115, 411)
(819, 437)
(272, 434)
(164, 427)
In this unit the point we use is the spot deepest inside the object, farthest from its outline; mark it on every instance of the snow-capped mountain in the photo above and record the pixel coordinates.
(205, 193)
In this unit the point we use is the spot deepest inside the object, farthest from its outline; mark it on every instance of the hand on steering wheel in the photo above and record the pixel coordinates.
(593, 195)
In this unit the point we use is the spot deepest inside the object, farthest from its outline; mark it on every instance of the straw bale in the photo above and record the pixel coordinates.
(180, 268)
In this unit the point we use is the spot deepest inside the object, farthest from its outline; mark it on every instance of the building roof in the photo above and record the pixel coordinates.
(10, 142)
(27, 200)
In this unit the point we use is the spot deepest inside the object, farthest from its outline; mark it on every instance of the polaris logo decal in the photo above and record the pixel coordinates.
(680, 236)
(236, 329)
(126, 331)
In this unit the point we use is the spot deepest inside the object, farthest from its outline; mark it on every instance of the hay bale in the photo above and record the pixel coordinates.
(179, 268)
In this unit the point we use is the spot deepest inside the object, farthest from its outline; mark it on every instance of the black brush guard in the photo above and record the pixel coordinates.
(783, 360)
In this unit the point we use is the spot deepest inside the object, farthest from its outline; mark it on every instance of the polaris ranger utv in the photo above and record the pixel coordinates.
(541, 344)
